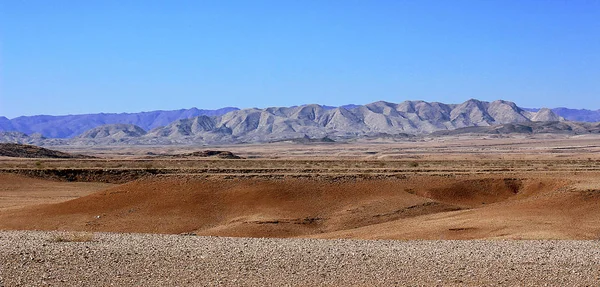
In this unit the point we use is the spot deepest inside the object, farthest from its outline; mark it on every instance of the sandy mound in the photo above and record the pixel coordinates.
(416, 207)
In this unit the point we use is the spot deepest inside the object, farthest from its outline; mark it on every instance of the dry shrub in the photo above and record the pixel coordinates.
(73, 237)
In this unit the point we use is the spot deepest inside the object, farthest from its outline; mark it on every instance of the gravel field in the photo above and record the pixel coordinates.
(31, 258)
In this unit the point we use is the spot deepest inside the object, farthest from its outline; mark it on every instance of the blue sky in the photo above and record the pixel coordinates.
(70, 57)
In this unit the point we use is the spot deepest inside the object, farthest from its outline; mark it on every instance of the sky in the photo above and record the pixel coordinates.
(72, 57)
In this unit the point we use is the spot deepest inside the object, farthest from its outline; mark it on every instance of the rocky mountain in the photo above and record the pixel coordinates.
(21, 138)
(115, 131)
(309, 123)
(5, 124)
(575, 115)
(109, 134)
(563, 127)
(74, 125)
(578, 115)
(316, 122)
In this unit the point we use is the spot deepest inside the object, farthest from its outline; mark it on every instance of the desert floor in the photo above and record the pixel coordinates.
(439, 190)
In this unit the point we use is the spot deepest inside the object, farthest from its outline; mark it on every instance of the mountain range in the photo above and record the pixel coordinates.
(575, 115)
(299, 123)
(73, 125)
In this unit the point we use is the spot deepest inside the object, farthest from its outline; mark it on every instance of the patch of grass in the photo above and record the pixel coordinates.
(73, 237)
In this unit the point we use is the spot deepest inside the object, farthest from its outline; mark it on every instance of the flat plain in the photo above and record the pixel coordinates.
(500, 194)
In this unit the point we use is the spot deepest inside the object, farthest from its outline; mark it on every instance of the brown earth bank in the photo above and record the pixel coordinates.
(554, 206)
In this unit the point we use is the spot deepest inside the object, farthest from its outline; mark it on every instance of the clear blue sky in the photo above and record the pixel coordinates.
(69, 57)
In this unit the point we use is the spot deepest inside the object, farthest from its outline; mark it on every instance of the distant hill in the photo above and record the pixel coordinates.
(115, 131)
(575, 115)
(565, 127)
(578, 115)
(74, 125)
(30, 151)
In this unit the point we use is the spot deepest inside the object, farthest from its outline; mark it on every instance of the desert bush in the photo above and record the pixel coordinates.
(72, 237)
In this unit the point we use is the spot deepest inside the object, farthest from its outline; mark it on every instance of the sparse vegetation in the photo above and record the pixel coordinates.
(72, 237)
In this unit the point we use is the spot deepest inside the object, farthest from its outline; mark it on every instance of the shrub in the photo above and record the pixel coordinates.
(72, 237)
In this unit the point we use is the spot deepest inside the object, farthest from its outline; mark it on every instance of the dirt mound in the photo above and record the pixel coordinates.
(206, 153)
(424, 207)
(30, 151)
(239, 207)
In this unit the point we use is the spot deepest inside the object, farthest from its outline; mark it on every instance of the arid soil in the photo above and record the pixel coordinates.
(465, 147)
(41, 259)
(408, 207)
(18, 191)
(526, 189)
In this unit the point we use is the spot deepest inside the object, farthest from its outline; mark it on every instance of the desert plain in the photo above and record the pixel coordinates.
(458, 210)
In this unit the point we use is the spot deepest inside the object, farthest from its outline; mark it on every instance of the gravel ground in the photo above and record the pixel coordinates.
(30, 258)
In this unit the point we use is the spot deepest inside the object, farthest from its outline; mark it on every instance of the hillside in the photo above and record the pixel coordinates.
(30, 151)
(550, 127)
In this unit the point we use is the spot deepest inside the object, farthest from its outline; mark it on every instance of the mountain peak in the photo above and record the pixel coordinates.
(116, 131)
(546, 115)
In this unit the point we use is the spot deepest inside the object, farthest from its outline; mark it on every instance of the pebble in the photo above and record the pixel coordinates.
(32, 258)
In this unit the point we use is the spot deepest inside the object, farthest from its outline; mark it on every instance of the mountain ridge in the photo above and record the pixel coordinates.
(68, 126)
(71, 126)
(312, 122)
(306, 122)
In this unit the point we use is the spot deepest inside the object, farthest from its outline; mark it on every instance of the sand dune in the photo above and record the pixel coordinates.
(423, 207)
